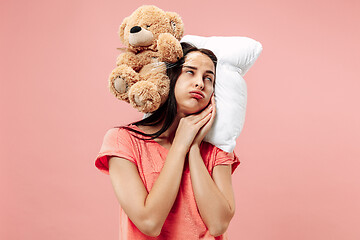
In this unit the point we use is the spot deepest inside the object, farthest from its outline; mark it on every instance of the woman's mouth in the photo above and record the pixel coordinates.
(197, 95)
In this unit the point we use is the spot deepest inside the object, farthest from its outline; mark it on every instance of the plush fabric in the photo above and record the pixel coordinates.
(150, 36)
(235, 57)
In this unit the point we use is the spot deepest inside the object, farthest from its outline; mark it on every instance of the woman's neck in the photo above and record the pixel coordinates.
(166, 137)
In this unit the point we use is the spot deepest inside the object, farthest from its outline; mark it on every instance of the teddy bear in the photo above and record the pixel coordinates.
(151, 37)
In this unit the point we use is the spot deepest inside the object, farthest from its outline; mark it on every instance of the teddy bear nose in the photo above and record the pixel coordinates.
(135, 29)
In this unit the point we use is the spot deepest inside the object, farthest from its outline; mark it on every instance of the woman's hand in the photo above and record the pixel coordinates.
(191, 126)
(207, 126)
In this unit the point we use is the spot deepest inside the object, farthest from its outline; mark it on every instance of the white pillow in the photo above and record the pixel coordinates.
(235, 57)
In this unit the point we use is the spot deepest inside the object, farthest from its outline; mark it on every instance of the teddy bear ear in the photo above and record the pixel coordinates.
(122, 29)
(177, 24)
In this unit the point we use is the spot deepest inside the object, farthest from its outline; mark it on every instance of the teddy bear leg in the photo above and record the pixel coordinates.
(160, 79)
(120, 81)
(163, 87)
(144, 96)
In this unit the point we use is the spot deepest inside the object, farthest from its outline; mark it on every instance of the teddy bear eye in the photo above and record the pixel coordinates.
(173, 25)
(147, 26)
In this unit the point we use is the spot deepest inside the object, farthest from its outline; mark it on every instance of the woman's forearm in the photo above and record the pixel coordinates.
(148, 210)
(161, 198)
(215, 209)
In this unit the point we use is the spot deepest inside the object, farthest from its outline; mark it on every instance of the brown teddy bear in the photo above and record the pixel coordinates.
(151, 37)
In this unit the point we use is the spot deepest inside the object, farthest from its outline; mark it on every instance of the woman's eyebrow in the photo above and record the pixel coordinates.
(191, 67)
(211, 72)
(195, 68)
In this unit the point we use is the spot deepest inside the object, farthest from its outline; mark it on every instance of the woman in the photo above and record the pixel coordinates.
(169, 183)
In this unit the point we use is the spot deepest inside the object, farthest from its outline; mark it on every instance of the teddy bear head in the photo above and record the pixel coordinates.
(141, 29)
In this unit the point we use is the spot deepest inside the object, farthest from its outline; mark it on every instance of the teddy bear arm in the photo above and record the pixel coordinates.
(129, 59)
(169, 48)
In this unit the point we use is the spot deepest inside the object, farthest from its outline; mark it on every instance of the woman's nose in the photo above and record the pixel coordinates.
(199, 83)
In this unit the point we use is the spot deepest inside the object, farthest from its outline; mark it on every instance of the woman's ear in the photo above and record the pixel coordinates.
(122, 29)
(177, 25)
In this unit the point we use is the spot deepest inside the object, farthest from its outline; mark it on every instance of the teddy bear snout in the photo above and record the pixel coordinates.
(140, 37)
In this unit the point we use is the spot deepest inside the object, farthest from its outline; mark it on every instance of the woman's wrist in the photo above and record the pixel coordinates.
(194, 148)
(180, 147)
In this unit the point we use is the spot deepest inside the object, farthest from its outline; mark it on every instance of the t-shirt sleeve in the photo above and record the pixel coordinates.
(225, 158)
(117, 142)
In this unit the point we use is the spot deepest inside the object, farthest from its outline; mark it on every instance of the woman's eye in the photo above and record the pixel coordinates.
(209, 78)
(189, 71)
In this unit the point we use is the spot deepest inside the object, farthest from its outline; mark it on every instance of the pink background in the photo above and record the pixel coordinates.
(299, 177)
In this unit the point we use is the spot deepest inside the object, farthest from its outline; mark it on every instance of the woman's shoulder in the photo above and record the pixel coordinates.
(216, 156)
(115, 132)
(126, 130)
(117, 142)
(208, 147)
(207, 150)
(122, 137)
(119, 135)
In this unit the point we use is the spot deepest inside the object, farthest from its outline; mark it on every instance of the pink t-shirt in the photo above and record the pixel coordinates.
(183, 221)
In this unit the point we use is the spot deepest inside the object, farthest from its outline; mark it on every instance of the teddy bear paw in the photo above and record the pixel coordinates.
(120, 85)
(120, 81)
(169, 48)
(144, 97)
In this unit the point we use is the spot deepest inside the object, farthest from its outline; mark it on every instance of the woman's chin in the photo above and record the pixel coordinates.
(191, 110)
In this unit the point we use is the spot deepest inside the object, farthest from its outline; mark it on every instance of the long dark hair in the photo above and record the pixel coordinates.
(168, 110)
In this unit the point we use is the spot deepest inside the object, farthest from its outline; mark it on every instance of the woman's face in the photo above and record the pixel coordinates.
(195, 85)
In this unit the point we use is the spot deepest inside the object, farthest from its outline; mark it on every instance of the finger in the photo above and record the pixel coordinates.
(204, 129)
(212, 119)
(213, 100)
(214, 107)
(204, 113)
(197, 117)
(213, 113)
(204, 120)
